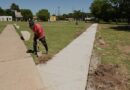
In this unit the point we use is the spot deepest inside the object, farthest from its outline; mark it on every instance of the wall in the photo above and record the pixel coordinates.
(5, 18)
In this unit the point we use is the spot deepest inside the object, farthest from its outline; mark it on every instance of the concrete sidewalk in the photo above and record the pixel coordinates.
(68, 70)
(17, 69)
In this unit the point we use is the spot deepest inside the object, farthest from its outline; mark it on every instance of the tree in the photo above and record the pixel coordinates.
(70, 15)
(61, 17)
(8, 12)
(43, 14)
(65, 15)
(84, 15)
(121, 8)
(2, 12)
(77, 14)
(101, 9)
(14, 7)
(125, 6)
(128, 11)
(27, 14)
(115, 10)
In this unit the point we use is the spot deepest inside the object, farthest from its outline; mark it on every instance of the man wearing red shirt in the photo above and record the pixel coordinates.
(39, 34)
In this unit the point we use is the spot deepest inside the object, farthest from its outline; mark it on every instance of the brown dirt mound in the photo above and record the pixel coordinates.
(109, 77)
(44, 58)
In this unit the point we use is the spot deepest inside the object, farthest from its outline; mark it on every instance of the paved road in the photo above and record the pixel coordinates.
(17, 69)
(68, 70)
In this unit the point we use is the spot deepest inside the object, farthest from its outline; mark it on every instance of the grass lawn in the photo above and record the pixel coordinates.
(58, 35)
(117, 48)
(112, 47)
(3, 25)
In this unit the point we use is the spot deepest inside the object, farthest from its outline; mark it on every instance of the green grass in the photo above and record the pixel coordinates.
(3, 25)
(58, 35)
(117, 50)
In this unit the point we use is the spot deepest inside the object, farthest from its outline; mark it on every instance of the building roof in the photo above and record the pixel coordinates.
(18, 14)
(6, 16)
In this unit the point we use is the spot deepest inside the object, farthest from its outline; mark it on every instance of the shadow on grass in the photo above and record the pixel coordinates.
(121, 28)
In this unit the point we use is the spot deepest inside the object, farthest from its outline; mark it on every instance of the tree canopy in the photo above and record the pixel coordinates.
(76, 14)
(8, 12)
(43, 14)
(27, 14)
(14, 7)
(114, 10)
(2, 12)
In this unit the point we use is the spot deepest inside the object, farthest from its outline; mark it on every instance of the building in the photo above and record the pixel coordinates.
(52, 18)
(18, 16)
(5, 18)
(70, 19)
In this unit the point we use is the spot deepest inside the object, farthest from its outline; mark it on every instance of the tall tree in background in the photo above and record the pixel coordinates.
(115, 10)
(8, 12)
(77, 14)
(65, 16)
(43, 14)
(27, 14)
(126, 10)
(116, 5)
(70, 15)
(2, 12)
(14, 7)
(101, 9)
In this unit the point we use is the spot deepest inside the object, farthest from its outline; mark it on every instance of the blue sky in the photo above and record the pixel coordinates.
(66, 6)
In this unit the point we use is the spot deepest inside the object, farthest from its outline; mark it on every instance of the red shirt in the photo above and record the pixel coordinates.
(38, 30)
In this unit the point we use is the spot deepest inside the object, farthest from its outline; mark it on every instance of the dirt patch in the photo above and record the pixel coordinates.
(108, 77)
(100, 42)
(44, 58)
(124, 49)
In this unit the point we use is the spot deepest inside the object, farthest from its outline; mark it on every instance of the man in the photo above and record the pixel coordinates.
(39, 34)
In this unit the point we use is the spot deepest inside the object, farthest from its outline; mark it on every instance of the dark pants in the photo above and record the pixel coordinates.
(43, 41)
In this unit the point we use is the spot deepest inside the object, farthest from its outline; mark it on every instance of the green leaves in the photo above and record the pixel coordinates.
(100, 9)
(111, 10)
(2, 12)
(14, 7)
(43, 14)
(27, 14)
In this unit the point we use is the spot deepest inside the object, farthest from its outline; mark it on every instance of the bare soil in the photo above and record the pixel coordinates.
(124, 49)
(108, 77)
(100, 42)
(44, 58)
